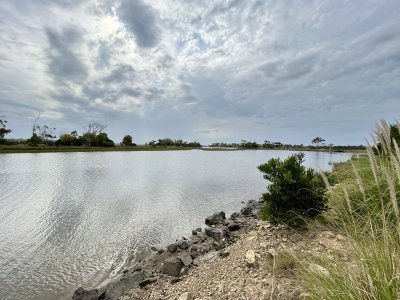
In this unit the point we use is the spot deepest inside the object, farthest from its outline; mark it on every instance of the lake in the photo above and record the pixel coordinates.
(77, 219)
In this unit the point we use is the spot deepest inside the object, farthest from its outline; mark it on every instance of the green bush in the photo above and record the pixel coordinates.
(294, 190)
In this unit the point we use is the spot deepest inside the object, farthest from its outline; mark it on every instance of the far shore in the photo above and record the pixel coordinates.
(7, 149)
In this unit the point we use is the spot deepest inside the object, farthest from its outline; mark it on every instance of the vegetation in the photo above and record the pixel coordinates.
(167, 142)
(317, 140)
(294, 190)
(127, 141)
(365, 206)
(3, 130)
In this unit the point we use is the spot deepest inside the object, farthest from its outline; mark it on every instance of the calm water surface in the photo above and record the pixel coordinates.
(76, 219)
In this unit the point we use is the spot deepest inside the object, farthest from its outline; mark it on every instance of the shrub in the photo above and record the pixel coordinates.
(294, 190)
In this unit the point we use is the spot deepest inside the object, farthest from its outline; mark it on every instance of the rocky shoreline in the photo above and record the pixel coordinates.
(173, 262)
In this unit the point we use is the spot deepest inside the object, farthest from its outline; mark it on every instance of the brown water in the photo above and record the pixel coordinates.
(76, 219)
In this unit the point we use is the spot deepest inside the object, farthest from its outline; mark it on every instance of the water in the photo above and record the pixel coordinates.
(76, 219)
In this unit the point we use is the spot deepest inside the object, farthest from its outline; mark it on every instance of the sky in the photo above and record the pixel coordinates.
(208, 71)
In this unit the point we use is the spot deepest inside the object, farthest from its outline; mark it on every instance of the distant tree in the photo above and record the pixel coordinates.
(3, 129)
(127, 140)
(91, 132)
(317, 140)
(47, 134)
(34, 121)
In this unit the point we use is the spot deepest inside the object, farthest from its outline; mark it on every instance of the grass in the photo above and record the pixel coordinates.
(365, 209)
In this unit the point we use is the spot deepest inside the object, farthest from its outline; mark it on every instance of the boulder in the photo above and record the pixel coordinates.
(82, 294)
(186, 259)
(235, 215)
(251, 208)
(214, 233)
(216, 218)
(172, 248)
(172, 266)
(183, 244)
(232, 226)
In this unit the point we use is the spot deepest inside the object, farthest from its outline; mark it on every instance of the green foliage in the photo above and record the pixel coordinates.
(35, 140)
(294, 190)
(3, 129)
(167, 142)
(365, 207)
(127, 140)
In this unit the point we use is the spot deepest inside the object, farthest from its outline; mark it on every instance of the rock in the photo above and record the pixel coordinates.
(82, 294)
(174, 280)
(172, 266)
(186, 259)
(224, 253)
(160, 250)
(251, 208)
(295, 238)
(232, 226)
(251, 260)
(185, 296)
(209, 257)
(216, 218)
(214, 233)
(202, 236)
(183, 244)
(172, 248)
(218, 246)
(235, 215)
(195, 239)
(340, 238)
(147, 281)
(195, 231)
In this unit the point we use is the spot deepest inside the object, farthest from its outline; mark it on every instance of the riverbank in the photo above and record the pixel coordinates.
(8, 149)
(240, 257)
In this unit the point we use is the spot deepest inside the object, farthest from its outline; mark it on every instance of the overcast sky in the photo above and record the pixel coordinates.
(207, 70)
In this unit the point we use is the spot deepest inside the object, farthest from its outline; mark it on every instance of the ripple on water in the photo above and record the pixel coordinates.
(72, 219)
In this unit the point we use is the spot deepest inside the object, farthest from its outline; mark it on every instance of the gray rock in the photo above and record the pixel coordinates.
(174, 280)
(235, 215)
(195, 231)
(216, 218)
(232, 226)
(183, 244)
(82, 294)
(147, 281)
(186, 259)
(224, 253)
(172, 266)
(172, 248)
(251, 208)
(202, 236)
(214, 233)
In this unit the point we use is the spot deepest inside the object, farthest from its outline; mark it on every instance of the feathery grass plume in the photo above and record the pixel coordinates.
(366, 205)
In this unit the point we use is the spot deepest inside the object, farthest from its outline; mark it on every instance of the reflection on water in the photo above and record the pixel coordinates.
(71, 219)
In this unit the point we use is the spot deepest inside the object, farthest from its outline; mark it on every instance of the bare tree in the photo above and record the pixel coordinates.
(34, 121)
(93, 129)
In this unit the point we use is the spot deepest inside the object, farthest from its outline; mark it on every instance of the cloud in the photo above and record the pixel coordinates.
(213, 71)
(64, 64)
(140, 20)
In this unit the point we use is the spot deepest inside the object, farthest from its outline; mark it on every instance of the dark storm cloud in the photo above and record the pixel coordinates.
(64, 63)
(140, 20)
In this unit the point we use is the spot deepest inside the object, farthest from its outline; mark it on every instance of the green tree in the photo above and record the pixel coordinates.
(294, 190)
(3, 129)
(317, 140)
(127, 140)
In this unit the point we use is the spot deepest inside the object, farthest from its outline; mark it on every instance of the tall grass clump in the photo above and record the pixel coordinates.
(365, 207)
